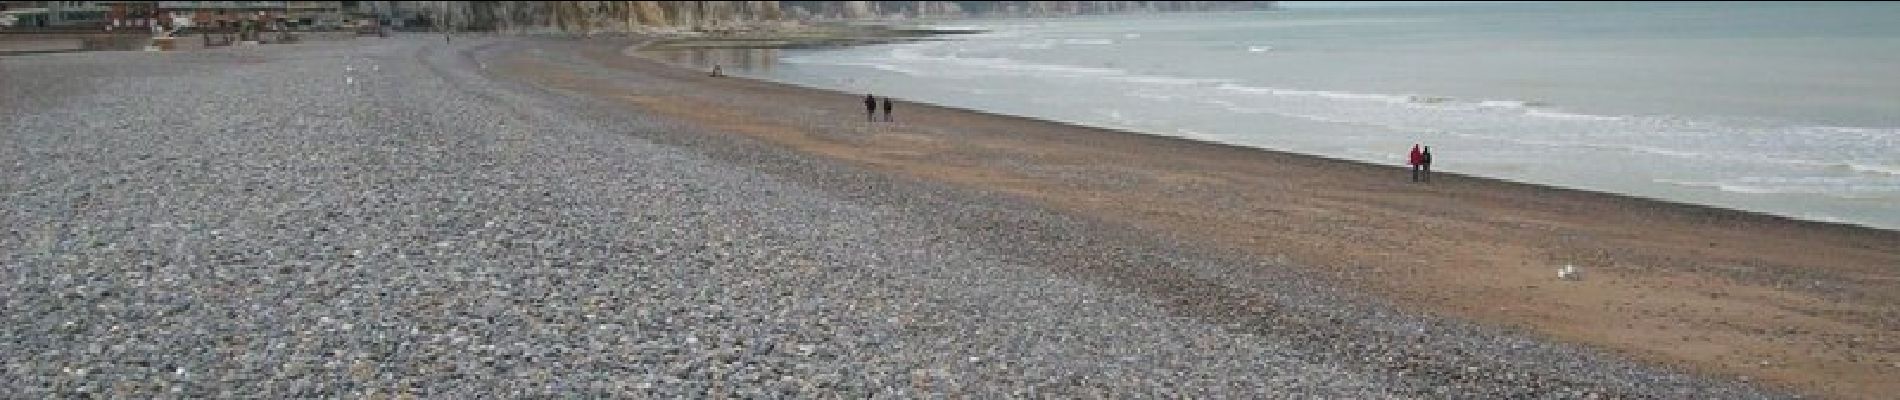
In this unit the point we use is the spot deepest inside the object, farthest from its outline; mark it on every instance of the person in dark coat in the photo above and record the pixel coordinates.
(1425, 163)
(887, 109)
(870, 108)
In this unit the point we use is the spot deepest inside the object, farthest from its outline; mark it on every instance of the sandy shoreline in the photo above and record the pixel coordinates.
(1806, 305)
(658, 49)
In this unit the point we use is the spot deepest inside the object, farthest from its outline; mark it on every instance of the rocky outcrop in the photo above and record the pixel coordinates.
(638, 16)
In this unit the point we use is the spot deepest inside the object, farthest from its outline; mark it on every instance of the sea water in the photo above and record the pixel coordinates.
(1785, 108)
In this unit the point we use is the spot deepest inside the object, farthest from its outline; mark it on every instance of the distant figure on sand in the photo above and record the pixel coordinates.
(870, 108)
(1417, 161)
(1425, 163)
(887, 109)
(716, 72)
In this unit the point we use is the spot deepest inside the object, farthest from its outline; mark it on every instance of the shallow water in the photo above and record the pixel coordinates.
(1786, 108)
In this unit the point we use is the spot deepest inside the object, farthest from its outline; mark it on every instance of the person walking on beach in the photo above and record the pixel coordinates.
(887, 109)
(1416, 161)
(870, 108)
(1425, 163)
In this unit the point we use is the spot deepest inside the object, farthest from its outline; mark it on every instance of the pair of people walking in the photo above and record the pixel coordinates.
(1421, 163)
(870, 108)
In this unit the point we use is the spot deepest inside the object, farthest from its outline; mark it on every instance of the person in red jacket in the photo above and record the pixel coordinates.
(1417, 161)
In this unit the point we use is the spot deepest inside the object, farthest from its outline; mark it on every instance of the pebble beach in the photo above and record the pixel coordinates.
(395, 218)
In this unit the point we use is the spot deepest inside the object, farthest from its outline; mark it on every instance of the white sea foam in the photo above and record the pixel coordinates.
(1528, 107)
(913, 56)
(1571, 116)
(1852, 130)
(1836, 187)
(1089, 42)
(1169, 80)
(955, 28)
(1198, 135)
(1154, 96)
(1375, 97)
(1235, 107)
(885, 67)
(1043, 45)
(1115, 116)
(1666, 152)
(1878, 169)
(1005, 64)
(1824, 218)
(1259, 49)
(1861, 167)
(1726, 187)
(1508, 104)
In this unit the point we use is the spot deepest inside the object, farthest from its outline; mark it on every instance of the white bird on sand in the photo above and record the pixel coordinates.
(1569, 273)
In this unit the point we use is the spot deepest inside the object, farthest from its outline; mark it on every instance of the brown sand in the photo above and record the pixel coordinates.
(1807, 306)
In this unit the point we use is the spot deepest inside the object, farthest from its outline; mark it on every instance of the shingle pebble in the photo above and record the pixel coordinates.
(238, 223)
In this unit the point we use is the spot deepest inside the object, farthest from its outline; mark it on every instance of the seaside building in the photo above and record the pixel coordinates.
(80, 14)
(219, 14)
(131, 14)
(76, 13)
(391, 13)
(24, 14)
(113, 15)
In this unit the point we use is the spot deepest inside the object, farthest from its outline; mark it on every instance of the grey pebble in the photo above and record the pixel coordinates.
(233, 223)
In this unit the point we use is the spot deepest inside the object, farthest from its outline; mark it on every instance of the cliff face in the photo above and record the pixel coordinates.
(635, 16)
(599, 16)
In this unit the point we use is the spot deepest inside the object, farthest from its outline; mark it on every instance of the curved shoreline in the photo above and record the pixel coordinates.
(638, 50)
(1699, 286)
(1663, 196)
